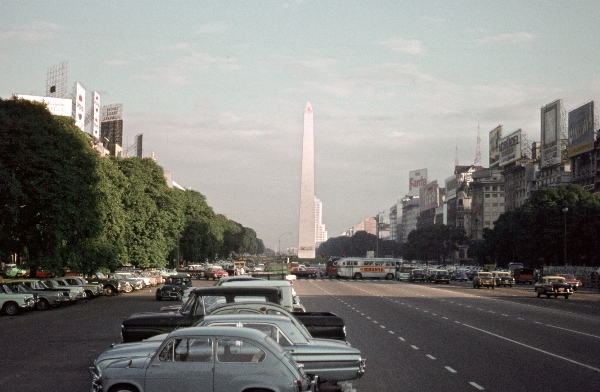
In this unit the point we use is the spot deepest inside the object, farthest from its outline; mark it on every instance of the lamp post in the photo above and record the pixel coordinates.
(565, 210)
(279, 242)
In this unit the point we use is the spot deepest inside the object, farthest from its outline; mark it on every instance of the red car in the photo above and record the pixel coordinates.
(215, 272)
(570, 279)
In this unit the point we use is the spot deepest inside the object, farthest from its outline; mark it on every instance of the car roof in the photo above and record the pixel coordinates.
(248, 333)
(257, 283)
(246, 317)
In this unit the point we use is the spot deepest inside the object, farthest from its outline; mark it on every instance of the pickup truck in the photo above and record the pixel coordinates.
(139, 326)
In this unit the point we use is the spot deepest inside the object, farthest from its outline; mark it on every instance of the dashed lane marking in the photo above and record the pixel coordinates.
(448, 368)
(473, 383)
(430, 356)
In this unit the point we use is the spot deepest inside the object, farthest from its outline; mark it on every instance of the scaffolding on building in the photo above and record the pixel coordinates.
(56, 80)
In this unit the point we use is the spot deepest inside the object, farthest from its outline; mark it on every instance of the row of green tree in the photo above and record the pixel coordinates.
(358, 245)
(63, 206)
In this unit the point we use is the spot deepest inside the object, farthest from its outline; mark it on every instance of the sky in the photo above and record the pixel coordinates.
(218, 88)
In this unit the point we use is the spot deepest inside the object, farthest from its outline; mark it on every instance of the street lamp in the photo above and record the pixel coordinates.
(565, 210)
(279, 242)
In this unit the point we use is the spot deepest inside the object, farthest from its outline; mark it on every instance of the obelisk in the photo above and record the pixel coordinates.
(306, 228)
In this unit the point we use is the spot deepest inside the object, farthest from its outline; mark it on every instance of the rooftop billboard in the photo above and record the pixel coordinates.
(509, 148)
(56, 106)
(553, 122)
(451, 186)
(417, 179)
(79, 106)
(495, 136)
(96, 115)
(112, 112)
(428, 198)
(582, 124)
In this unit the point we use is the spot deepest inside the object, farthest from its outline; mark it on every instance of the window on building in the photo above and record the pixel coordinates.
(495, 195)
(494, 188)
(487, 195)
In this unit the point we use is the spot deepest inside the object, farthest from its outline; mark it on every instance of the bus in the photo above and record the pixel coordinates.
(360, 268)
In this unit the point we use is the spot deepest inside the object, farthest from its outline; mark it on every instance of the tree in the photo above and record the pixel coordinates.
(50, 213)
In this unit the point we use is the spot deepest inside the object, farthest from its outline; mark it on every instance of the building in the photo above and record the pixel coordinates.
(306, 225)
(320, 232)
(410, 215)
(487, 201)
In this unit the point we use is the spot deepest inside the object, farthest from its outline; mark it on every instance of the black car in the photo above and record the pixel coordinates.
(417, 275)
(174, 287)
(441, 276)
(459, 276)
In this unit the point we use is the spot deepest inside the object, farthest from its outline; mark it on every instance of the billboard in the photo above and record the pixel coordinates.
(509, 148)
(451, 185)
(416, 180)
(56, 106)
(495, 136)
(582, 123)
(552, 126)
(79, 106)
(112, 112)
(428, 197)
(96, 115)
(138, 143)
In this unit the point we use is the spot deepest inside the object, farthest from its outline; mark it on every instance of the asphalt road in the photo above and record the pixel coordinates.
(416, 337)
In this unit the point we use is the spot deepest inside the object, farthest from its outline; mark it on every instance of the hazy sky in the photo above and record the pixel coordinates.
(218, 88)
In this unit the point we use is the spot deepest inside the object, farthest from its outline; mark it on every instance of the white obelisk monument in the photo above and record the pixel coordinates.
(306, 228)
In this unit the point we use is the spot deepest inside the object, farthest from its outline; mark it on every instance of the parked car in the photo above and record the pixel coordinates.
(78, 290)
(503, 278)
(553, 286)
(12, 302)
(69, 296)
(174, 287)
(215, 272)
(92, 290)
(572, 280)
(139, 326)
(216, 359)
(303, 272)
(112, 284)
(136, 284)
(45, 298)
(417, 275)
(441, 276)
(483, 279)
(14, 271)
(131, 276)
(460, 276)
(523, 275)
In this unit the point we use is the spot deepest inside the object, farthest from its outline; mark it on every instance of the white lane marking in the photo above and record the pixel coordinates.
(415, 347)
(534, 348)
(391, 332)
(457, 322)
(473, 383)
(430, 356)
(448, 368)
(445, 318)
(375, 322)
(401, 338)
(369, 317)
(571, 330)
(382, 326)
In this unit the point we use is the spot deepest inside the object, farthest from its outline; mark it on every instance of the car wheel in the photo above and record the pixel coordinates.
(178, 298)
(11, 308)
(357, 275)
(128, 288)
(42, 304)
(89, 294)
(493, 287)
(109, 290)
(566, 296)
(539, 294)
(390, 276)
(555, 295)
(159, 297)
(548, 296)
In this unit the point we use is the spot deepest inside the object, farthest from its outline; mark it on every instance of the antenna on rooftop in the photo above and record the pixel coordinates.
(456, 153)
(477, 161)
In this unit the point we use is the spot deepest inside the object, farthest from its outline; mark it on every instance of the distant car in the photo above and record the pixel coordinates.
(503, 278)
(483, 279)
(174, 287)
(441, 276)
(417, 275)
(216, 359)
(215, 272)
(572, 280)
(460, 276)
(553, 286)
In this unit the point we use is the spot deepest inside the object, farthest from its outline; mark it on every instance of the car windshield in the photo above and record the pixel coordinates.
(568, 276)
(100, 275)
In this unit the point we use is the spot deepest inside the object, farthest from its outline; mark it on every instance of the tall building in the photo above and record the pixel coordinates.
(306, 227)
(320, 232)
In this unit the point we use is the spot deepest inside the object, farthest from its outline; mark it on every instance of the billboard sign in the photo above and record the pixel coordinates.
(451, 185)
(96, 115)
(509, 148)
(417, 179)
(428, 199)
(495, 136)
(79, 106)
(112, 112)
(552, 126)
(582, 123)
(56, 106)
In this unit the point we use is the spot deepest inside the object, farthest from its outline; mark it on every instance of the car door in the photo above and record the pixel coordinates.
(182, 364)
(240, 362)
